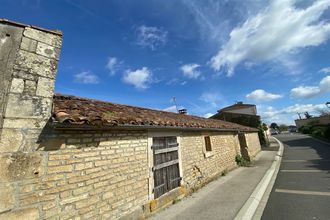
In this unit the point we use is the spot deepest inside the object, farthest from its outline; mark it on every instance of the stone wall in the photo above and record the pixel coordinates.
(322, 120)
(10, 38)
(28, 67)
(200, 166)
(62, 174)
(253, 144)
(95, 174)
(77, 174)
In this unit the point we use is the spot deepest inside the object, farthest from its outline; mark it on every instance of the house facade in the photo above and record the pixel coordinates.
(65, 157)
(240, 108)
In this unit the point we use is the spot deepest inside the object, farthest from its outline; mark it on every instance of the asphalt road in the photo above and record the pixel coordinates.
(302, 187)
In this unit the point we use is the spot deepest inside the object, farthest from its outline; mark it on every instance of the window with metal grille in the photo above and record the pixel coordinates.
(208, 146)
(166, 165)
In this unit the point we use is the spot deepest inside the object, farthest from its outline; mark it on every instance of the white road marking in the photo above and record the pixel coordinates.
(305, 171)
(303, 192)
(300, 148)
(301, 161)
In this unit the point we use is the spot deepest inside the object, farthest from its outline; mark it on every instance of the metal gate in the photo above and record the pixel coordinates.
(166, 165)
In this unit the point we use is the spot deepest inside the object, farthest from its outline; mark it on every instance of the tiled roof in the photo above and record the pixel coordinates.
(71, 110)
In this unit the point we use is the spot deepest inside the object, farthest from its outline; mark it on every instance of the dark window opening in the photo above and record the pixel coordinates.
(208, 146)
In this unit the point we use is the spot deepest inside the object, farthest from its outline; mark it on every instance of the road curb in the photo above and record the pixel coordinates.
(249, 208)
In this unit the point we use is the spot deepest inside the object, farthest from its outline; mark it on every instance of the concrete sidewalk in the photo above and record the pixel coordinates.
(224, 197)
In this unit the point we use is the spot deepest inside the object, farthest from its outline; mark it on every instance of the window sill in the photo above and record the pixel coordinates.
(208, 154)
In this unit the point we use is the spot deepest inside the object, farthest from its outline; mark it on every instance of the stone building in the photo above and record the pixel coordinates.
(65, 157)
(321, 120)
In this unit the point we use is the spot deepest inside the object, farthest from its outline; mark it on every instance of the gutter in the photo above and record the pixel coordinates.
(60, 126)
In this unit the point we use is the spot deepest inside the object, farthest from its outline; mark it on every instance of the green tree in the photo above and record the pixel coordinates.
(274, 125)
(283, 127)
(307, 115)
(264, 126)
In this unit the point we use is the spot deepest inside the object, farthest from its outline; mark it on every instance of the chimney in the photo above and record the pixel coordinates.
(28, 63)
(183, 111)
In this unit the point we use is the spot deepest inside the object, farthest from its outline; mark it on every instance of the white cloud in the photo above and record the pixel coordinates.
(261, 95)
(214, 18)
(211, 98)
(176, 81)
(325, 70)
(305, 91)
(287, 114)
(311, 91)
(325, 84)
(86, 77)
(113, 65)
(279, 29)
(140, 78)
(151, 37)
(207, 115)
(190, 70)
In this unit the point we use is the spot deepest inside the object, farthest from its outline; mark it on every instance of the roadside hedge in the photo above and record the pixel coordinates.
(317, 131)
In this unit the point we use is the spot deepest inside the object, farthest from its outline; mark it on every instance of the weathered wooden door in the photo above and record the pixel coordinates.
(166, 165)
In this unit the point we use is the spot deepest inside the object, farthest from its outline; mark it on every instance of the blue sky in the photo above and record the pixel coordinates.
(208, 54)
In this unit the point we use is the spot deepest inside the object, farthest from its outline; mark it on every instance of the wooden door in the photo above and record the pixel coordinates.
(166, 165)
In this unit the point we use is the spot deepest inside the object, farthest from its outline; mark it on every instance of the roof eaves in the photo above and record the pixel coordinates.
(61, 126)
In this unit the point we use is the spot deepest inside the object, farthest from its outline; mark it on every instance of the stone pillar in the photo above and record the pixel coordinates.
(28, 65)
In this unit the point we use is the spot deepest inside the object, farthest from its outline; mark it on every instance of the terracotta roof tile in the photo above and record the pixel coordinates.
(71, 110)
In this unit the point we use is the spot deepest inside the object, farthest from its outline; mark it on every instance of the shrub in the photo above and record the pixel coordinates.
(317, 132)
(241, 161)
(327, 133)
(305, 130)
(262, 137)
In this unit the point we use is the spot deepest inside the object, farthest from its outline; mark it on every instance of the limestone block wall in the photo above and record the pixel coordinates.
(323, 120)
(253, 144)
(88, 174)
(200, 166)
(28, 66)
(84, 174)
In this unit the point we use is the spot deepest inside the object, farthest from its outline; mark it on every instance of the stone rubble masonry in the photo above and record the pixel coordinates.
(28, 65)
(199, 166)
